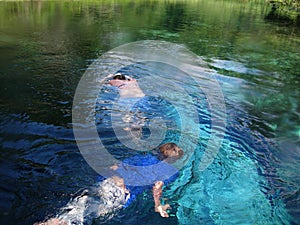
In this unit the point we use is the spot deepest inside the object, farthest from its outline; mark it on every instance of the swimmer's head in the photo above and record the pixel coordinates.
(119, 76)
(170, 151)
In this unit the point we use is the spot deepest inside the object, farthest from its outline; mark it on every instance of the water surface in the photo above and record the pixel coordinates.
(45, 48)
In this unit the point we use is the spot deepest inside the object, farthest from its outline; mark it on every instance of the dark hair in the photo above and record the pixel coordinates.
(119, 77)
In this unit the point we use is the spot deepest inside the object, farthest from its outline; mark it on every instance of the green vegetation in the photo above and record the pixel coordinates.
(288, 10)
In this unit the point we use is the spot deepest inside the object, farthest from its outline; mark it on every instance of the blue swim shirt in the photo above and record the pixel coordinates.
(141, 171)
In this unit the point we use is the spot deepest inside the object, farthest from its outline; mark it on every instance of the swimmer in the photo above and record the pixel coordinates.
(128, 86)
(112, 194)
(129, 92)
(153, 169)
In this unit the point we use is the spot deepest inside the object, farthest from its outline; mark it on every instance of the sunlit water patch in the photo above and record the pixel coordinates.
(238, 188)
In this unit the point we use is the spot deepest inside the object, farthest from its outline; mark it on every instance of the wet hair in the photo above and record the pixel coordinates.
(165, 149)
(119, 76)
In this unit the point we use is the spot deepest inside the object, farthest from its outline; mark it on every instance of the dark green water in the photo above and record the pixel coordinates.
(45, 48)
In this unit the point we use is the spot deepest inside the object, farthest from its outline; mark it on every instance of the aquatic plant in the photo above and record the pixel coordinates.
(287, 10)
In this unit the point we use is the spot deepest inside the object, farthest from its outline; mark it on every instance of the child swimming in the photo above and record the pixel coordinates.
(113, 194)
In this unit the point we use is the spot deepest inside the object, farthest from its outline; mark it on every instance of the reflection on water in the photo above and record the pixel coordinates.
(45, 47)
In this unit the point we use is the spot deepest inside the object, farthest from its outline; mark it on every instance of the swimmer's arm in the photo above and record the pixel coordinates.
(157, 193)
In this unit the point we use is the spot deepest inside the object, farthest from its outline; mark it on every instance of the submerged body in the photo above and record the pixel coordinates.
(121, 189)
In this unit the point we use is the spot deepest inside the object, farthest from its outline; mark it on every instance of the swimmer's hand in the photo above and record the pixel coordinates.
(162, 210)
(114, 167)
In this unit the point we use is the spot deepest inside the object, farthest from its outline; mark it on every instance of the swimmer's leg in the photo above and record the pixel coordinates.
(74, 211)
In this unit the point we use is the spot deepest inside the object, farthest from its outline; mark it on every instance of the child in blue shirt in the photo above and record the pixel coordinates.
(133, 176)
(146, 171)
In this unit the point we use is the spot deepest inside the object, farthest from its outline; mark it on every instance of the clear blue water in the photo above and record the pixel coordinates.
(46, 47)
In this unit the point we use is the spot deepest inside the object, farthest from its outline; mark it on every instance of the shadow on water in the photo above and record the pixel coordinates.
(34, 159)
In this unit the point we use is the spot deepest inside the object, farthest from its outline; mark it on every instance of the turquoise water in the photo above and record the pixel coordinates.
(46, 47)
